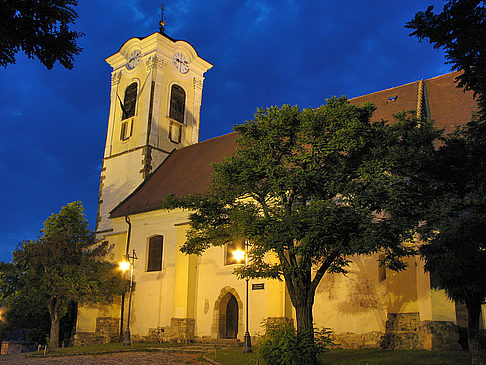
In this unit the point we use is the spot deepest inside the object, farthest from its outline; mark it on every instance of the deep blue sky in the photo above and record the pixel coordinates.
(53, 123)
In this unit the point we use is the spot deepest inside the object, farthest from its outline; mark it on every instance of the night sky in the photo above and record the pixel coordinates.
(264, 53)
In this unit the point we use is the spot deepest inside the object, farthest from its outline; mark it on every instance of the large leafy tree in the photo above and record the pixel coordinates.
(460, 29)
(39, 28)
(455, 225)
(61, 267)
(311, 187)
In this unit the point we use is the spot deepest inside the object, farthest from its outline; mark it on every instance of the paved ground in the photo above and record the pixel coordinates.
(127, 358)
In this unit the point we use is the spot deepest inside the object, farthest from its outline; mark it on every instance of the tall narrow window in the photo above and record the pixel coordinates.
(177, 103)
(155, 249)
(232, 247)
(130, 101)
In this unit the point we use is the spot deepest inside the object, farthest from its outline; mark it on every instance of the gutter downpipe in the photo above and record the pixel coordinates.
(122, 309)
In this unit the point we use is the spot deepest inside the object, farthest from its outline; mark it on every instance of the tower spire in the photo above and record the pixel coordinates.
(162, 21)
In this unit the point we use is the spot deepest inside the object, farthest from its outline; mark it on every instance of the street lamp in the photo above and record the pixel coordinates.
(128, 263)
(239, 255)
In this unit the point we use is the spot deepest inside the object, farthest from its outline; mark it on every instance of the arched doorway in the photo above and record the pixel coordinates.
(227, 315)
(231, 327)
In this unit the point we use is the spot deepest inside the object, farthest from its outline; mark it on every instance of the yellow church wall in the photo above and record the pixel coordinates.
(402, 288)
(215, 280)
(443, 309)
(87, 314)
(355, 302)
(153, 298)
(185, 278)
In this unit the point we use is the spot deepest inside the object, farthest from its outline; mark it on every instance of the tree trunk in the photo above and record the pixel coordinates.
(473, 315)
(303, 300)
(55, 320)
(305, 320)
(54, 333)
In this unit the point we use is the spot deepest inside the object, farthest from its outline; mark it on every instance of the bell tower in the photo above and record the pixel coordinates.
(156, 91)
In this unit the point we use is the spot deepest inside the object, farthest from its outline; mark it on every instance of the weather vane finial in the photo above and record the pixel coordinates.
(162, 21)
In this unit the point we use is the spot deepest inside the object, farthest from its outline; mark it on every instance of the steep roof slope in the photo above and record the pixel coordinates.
(440, 99)
(188, 170)
(185, 171)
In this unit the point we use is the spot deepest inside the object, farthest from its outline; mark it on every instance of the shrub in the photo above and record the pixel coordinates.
(283, 345)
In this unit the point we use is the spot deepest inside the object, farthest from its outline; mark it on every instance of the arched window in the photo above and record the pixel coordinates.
(177, 103)
(155, 249)
(130, 101)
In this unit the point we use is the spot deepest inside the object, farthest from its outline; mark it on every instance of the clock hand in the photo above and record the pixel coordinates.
(124, 112)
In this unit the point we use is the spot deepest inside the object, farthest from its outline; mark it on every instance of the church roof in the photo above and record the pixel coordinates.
(439, 98)
(185, 171)
(188, 170)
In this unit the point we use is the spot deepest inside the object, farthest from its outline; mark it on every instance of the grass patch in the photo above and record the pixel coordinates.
(234, 356)
(403, 357)
(104, 348)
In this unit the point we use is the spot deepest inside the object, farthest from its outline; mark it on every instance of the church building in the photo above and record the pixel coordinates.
(153, 149)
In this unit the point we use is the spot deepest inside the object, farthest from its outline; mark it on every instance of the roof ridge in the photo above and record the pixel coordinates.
(409, 83)
(390, 88)
(447, 74)
(202, 142)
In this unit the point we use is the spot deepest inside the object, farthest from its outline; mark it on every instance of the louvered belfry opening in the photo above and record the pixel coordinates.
(156, 245)
(177, 103)
(130, 100)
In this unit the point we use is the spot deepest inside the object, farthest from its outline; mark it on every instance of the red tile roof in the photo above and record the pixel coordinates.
(188, 170)
(185, 171)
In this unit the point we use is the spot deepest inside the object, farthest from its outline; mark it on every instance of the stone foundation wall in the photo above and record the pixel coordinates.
(107, 330)
(350, 340)
(180, 330)
(405, 331)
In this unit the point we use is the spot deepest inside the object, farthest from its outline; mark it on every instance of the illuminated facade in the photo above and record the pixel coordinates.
(154, 117)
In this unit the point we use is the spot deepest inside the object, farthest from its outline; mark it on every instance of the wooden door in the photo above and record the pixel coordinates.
(232, 318)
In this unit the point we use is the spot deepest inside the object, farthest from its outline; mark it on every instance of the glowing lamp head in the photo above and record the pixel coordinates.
(124, 266)
(239, 255)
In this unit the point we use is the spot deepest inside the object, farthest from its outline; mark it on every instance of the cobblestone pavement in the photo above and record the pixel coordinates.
(127, 358)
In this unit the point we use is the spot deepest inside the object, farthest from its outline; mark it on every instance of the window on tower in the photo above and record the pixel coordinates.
(177, 103)
(130, 101)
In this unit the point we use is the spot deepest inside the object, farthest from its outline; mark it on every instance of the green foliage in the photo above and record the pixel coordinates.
(312, 187)
(61, 267)
(454, 223)
(283, 345)
(459, 29)
(39, 29)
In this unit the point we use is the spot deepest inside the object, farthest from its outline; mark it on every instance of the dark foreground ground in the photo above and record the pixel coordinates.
(130, 358)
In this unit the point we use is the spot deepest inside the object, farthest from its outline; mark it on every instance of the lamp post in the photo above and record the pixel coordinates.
(239, 255)
(129, 263)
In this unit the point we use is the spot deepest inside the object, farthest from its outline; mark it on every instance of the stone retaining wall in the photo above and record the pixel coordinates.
(107, 330)
(350, 340)
(405, 331)
(180, 330)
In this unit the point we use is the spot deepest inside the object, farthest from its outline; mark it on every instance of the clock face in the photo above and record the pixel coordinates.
(180, 62)
(133, 59)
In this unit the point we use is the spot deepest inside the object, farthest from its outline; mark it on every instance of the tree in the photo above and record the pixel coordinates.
(40, 28)
(61, 267)
(311, 187)
(454, 223)
(461, 31)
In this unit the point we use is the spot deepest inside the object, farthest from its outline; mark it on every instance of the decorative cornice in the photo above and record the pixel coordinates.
(197, 83)
(115, 78)
(155, 63)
